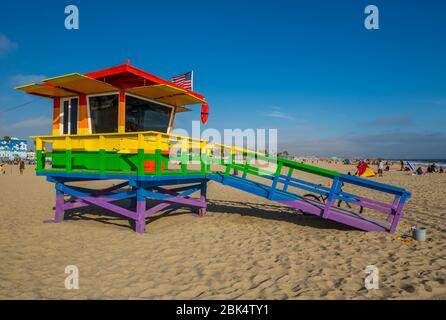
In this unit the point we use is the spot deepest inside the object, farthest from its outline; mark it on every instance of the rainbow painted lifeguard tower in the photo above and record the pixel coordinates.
(116, 123)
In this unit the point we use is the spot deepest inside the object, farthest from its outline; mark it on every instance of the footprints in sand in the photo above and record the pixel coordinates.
(250, 251)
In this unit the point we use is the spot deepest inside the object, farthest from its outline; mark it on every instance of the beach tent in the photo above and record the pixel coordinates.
(368, 173)
(364, 170)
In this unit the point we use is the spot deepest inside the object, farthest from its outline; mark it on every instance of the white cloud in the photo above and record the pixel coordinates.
(21, 79)
(6, 45)
(277, 113)
(439, 102)
(38, 122)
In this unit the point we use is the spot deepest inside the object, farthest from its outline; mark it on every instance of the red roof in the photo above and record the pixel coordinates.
(127, 76)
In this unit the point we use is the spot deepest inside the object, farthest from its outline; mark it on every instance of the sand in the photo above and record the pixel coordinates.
(245, 248)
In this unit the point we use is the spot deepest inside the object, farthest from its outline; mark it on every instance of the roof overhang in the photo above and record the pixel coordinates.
(166, 94)
(45, 90)
(79, 83)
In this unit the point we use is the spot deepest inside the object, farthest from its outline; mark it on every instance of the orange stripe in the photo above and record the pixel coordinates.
(173, 120)
(56, 116)
(83, 114)
(121, 112)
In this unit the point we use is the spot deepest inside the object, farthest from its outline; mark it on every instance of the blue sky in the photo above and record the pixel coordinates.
(308, 68)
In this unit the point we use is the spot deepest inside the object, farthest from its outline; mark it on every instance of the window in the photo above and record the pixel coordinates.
(104, 113)
(144, 115)
(69, 115)
(66, 117)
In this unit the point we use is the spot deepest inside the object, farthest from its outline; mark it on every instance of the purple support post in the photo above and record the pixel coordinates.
(398, 214)
(59, 212)
(203, 194)
(140, 210)
(393, 209)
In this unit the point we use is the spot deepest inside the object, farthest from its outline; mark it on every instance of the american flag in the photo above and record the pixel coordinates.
(184, 80)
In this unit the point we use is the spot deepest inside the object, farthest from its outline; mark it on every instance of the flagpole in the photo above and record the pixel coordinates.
(192, 78)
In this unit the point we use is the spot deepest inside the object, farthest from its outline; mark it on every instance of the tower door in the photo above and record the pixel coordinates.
(69, 115)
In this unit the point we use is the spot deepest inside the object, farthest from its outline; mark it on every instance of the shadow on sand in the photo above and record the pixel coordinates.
(258, 210)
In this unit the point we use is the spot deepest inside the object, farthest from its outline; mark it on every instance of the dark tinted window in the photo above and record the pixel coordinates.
(73, 116)
(66, 110)
(104, 113)
(143, 115)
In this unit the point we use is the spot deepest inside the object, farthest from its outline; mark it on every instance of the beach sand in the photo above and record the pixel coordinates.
(245, 248)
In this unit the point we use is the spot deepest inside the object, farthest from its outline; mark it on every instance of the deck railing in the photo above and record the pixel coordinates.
(185, 150)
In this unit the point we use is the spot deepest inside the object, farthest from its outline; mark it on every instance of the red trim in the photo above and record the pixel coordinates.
(107, 72)
(83, 99)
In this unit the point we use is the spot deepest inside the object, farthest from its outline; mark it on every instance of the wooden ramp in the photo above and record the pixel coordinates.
(328, 209)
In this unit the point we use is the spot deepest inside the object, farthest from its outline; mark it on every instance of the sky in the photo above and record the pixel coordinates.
(309, 69)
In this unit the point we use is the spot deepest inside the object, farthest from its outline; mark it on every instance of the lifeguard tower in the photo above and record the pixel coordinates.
(116, 124)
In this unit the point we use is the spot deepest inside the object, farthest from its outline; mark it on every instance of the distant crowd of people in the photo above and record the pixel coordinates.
(433, 168)
(20, 163)
(383, 166)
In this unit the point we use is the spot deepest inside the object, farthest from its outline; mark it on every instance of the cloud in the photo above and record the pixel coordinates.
(391, 145)
(21, 79)
(391, 121)
(302, 128)
(277, 113)
(6, 45)
(439, 102)
(38, 122)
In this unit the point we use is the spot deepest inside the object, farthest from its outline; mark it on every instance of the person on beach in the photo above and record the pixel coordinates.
(432, 168)
(361, 167)
(21, 166)
(2, 168)
(402, 165)
(380, 167)
(419, 171)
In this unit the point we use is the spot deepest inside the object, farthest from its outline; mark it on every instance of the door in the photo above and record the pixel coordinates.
(69, 115)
